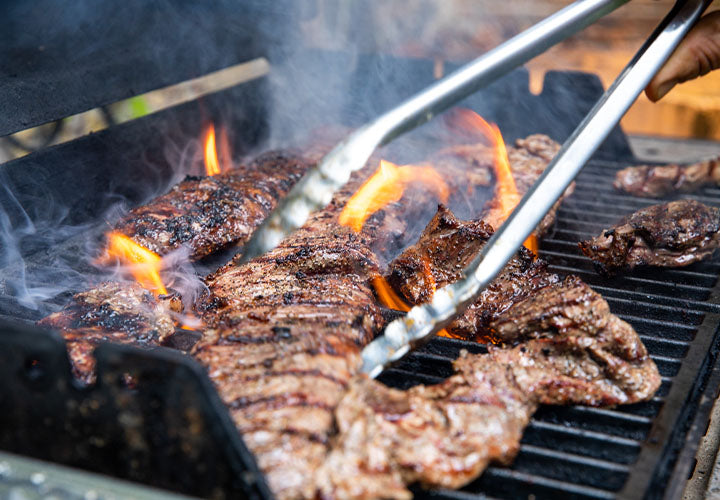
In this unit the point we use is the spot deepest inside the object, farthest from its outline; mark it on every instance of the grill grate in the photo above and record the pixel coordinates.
(581, 452)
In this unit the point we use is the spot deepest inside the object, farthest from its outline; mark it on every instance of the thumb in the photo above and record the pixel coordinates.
(697, 54)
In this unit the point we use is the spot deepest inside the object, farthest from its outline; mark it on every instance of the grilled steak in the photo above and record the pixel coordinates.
(674, 234)
(124, 313)
(562, 347)
(658, 181)
(442, 435)
(284, 340)
(207, 214)
(444, 249)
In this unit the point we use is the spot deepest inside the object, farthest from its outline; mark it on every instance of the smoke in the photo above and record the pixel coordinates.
(47, 276)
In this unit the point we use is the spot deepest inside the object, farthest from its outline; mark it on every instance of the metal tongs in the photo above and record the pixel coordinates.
(316, 189)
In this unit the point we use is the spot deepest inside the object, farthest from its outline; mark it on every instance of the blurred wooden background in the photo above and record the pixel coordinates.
(458, 30)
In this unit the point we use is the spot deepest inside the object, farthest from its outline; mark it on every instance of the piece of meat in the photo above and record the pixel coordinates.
(571, 352)
(673, 234)
(208, 214)
(657, 181)
(444, 249)
(441, 435)
(123, 313)
(284, 339)
(594, 357)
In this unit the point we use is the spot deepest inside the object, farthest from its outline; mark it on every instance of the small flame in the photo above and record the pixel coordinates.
(506, 194)
(212, 164)
(143, 264)
(387, 295)
(427, 272)
(386, 186)
(430, 281)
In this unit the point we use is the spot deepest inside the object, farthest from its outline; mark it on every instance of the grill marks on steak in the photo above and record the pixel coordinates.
(445, 248)
(573, 350)
(441, 435)
(284, 340)
(123, 313)
(209, 213)
(445, 435)
(673, 234)
(655, 182)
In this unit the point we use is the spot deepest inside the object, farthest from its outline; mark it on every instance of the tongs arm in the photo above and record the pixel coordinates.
(316, 188)
(422, 322)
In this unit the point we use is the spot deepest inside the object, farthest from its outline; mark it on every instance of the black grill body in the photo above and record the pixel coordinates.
(569, 452)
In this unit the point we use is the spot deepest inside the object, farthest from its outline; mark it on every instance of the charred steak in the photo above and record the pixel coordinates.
(124, 313)
(444, 249)
(658, 181)
(283, 342)
(674, 234)
(207, 214)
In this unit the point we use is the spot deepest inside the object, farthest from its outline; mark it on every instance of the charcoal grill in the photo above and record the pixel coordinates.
(141, 431)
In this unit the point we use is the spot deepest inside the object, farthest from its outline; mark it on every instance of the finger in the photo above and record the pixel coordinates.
(697, 55)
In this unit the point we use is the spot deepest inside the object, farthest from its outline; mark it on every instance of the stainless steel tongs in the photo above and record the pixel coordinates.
(315, 190)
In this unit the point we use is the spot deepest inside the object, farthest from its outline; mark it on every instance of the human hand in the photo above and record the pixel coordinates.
(697, 55)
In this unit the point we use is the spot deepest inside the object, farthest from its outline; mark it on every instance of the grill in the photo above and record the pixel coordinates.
(169, 429)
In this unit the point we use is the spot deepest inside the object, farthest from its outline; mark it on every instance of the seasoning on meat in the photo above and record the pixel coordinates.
(284, 340)
(124, 313)
(654, 182)
(673, 234)
(208, 214)
(562, 346)
(445, 248)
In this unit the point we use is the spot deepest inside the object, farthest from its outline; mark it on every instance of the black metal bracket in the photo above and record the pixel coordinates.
(153, 416)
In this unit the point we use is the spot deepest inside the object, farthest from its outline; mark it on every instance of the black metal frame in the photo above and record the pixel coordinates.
(153, 416)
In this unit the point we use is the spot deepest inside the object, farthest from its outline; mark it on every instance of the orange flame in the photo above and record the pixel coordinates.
(430, 280)
(143, 264)
(506, 193)
(387, 295)
(427, 272)
(212, 165)
(386, 186)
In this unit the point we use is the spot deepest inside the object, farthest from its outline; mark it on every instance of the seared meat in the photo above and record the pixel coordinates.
(595, 358)
(444, 249)
(674, 234)
(124, 313)
(655, 182)
(285, 335)
(571, 352)
(442, 435)
(209, 213)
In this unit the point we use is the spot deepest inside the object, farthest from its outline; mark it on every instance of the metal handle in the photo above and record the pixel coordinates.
(317, 187)
(422, 322)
